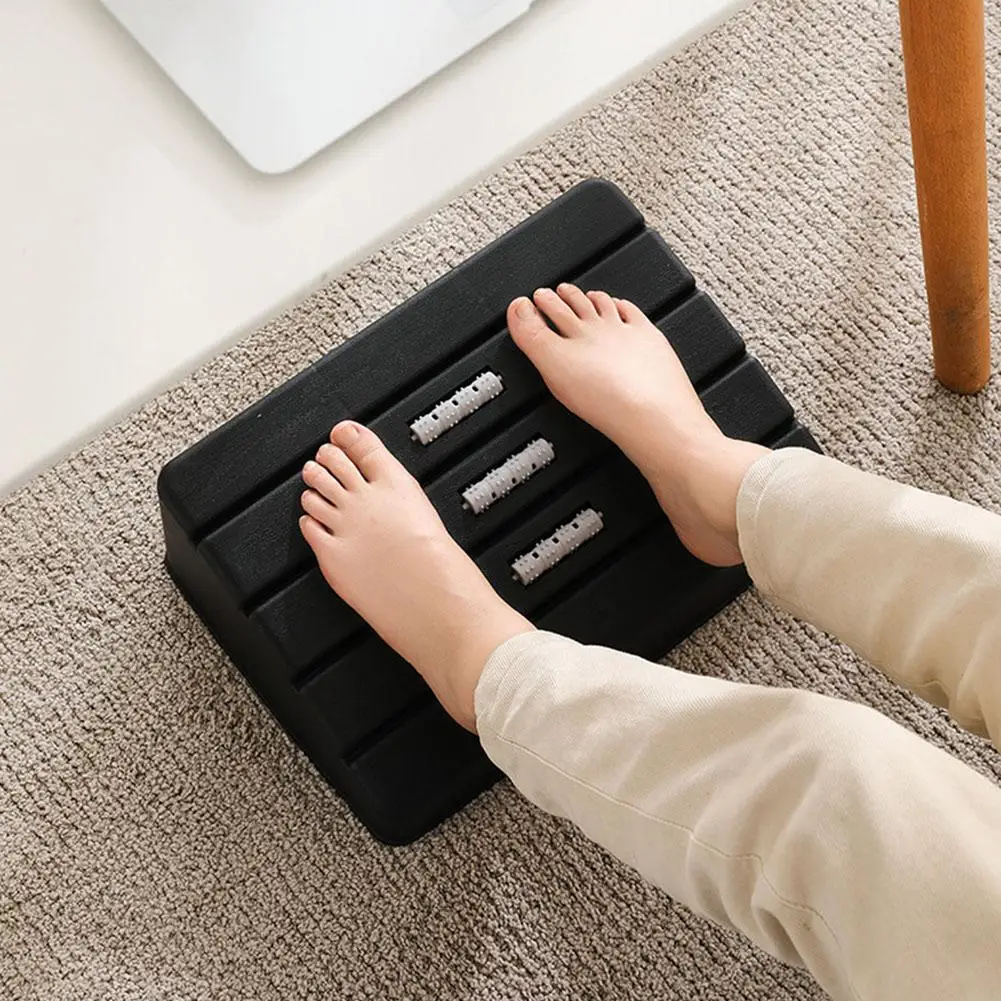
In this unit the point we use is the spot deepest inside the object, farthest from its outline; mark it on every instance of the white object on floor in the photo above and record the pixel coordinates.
(136, 245)
(282, 79)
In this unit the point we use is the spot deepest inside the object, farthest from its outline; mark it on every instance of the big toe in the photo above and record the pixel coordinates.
(530, 331)
(366, 450)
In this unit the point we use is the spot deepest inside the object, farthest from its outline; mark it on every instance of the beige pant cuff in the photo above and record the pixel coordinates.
(503, 669)
(772, 474)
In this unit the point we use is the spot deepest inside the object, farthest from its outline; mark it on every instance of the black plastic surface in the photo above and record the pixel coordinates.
(230, 504)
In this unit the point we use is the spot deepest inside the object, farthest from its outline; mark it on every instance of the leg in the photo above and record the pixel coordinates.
(944, 60)
(910, 580)
(829, 835)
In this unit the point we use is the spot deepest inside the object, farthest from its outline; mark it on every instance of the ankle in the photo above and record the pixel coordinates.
(490, 625)
(713, 475)
(696, 479)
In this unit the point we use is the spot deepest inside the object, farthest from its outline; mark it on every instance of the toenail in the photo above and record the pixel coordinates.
(544, 291)
(347, 433)
(524, 309)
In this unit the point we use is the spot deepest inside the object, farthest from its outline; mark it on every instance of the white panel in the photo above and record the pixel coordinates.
(281, 79)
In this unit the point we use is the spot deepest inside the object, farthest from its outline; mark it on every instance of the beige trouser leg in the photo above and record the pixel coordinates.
(832, 837)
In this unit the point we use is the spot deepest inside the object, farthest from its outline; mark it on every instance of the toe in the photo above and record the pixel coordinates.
(530, 331)
(319, 478)
(365, 449)
(562, 317)
(314, 533)
(629, 312)
(336, 462)
(577, 301)
(319, 508)
(604, 306)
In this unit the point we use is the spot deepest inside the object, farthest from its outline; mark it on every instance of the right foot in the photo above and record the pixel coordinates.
(604, 360)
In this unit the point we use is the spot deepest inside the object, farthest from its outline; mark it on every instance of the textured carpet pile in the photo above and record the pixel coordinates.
(161, 838)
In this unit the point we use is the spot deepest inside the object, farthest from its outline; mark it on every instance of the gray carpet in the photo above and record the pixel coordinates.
(160, 838)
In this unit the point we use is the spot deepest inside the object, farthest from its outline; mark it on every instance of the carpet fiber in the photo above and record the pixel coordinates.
(161, 838)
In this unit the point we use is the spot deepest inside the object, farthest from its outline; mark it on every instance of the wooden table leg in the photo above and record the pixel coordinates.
(944, 61)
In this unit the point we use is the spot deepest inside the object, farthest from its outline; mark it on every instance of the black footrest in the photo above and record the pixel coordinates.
(562, 525)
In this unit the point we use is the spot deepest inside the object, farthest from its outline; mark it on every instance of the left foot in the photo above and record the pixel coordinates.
(382, 547)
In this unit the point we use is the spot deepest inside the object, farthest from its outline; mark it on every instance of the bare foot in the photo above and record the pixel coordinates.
(604, 360)
(382, 547)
